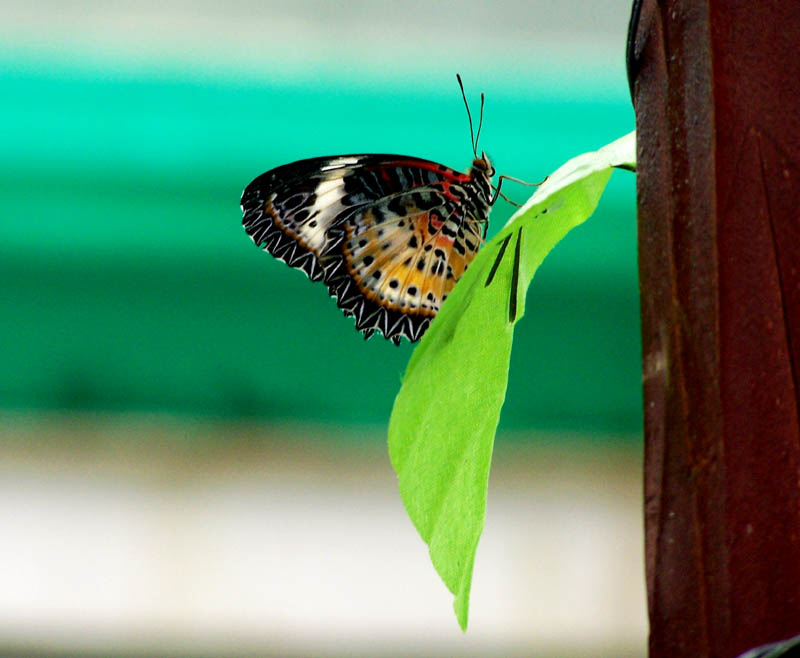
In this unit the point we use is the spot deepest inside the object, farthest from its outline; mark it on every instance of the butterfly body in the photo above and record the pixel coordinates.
(389, 235)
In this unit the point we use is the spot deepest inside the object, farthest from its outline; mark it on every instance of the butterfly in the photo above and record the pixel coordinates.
(389, 235)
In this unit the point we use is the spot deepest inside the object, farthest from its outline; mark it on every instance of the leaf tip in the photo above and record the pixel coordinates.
(461, 608)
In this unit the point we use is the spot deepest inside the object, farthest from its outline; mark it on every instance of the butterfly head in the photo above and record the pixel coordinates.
(483, 165)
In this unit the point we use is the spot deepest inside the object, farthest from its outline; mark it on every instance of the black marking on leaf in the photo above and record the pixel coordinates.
(512, 301)
(497, 260)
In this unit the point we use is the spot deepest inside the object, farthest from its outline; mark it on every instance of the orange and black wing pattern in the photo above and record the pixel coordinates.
(389, 235)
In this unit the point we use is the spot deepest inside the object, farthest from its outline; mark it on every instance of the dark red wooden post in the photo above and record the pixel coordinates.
(717, 97)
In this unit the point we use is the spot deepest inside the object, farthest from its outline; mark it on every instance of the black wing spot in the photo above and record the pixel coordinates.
(397, 207)
(295, 201)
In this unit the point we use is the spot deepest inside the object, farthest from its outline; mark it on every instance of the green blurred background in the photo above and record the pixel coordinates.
(192, 436)
(128, 283)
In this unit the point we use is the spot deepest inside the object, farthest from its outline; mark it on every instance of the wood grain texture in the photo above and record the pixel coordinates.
(717, 96)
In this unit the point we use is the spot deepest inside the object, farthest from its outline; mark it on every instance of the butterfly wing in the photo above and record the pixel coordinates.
(389, 234)
(288, 210)
(393, 262)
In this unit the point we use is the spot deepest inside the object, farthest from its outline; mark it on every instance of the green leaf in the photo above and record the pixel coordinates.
(444, 419)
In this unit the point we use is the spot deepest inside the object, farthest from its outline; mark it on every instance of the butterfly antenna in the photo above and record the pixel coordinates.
(480, 125)
(469, 116)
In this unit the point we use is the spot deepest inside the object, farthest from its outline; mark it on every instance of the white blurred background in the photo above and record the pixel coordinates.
(236, 540)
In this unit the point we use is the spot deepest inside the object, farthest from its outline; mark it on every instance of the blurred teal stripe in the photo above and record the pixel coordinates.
(128, 283)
